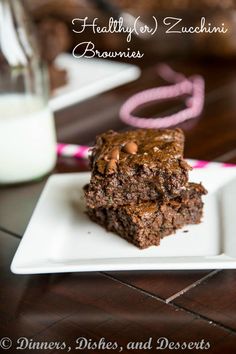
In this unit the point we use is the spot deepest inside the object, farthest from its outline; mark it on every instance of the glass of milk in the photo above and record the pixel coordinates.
(27, 131)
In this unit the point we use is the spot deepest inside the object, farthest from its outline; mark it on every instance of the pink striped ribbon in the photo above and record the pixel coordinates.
(193, 87)
(200, 164)
(70, 150)
(82, 152)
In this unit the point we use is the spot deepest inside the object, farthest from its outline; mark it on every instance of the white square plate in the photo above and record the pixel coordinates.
(61, 238)
(89, 77)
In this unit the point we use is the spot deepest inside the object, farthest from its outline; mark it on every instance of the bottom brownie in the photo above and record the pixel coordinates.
(146, 223)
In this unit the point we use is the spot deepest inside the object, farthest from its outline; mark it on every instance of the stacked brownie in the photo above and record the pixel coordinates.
(139, 185)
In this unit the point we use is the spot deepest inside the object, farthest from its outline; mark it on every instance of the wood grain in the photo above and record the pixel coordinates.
(163, 284)
(64, 307)
(218, 305)
(67, 306)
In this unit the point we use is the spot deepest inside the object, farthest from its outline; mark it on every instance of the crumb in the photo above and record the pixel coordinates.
(185, 231)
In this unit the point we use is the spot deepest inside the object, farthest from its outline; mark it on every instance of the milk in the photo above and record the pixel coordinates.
(27, 138)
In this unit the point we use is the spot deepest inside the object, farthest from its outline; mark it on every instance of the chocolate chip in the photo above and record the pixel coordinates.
(131, 148)
(111, 166)
(115, 154)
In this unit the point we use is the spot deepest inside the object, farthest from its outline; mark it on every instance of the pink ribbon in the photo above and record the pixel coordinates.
(83, 152)
(70, 150)
(193, 87)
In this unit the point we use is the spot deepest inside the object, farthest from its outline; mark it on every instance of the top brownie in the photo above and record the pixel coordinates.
(135, 166)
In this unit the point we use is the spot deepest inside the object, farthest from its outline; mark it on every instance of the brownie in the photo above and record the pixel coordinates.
(135, 166)
(146, 223)
(54, 38)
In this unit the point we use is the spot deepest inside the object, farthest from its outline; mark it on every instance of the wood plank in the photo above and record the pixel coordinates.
(163, 284)
(17, 205)
(121, 313)
(28, 304)
(66, 306)
(94, 306)
(214, 133)
(214, 298)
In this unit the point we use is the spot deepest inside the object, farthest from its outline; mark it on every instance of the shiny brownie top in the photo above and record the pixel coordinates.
(153, 148)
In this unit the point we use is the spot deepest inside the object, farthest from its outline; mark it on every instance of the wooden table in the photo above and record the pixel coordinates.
(182, 306)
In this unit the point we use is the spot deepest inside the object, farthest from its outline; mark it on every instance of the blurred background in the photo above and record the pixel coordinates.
(53, 22)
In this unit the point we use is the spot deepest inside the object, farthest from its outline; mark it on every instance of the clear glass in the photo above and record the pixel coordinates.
(27, 131)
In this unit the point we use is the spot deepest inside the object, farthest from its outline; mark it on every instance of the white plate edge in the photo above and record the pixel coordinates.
(216, 262)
